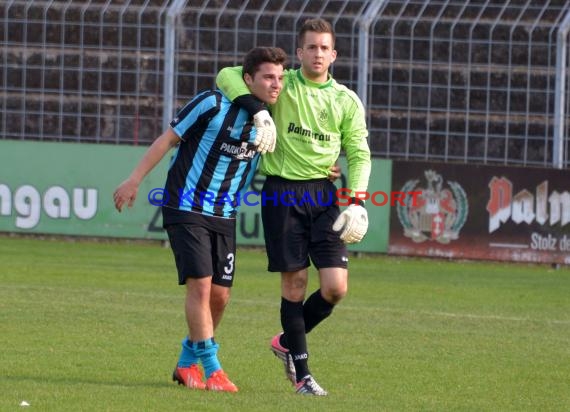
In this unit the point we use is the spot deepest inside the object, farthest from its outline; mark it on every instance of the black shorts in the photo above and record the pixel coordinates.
(202, 250)
(297, 223)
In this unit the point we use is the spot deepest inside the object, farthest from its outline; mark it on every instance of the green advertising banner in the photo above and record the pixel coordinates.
(67, 189)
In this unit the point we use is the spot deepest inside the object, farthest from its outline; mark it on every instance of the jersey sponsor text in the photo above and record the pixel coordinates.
(315, 135)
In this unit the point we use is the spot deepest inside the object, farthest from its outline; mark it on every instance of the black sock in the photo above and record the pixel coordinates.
(315, 310)
(294, 329)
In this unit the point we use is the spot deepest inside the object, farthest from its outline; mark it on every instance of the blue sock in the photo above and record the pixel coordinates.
(207, 351)
(187, 354)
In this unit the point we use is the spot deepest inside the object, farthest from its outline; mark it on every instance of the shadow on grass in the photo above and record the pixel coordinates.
(86, 381)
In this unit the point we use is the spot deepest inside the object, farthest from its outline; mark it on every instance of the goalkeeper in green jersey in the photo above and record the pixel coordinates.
(315, 118)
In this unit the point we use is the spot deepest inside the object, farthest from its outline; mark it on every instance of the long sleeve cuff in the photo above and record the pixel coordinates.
(250, 103)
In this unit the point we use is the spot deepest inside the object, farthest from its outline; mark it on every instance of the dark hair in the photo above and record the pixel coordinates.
(316, 25)
(258, 55)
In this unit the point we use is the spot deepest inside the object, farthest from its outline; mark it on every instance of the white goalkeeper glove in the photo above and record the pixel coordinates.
(266, 132)
(352, 223)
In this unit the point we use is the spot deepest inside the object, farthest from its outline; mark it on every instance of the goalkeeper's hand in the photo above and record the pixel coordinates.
(266, 132)
(352, 224)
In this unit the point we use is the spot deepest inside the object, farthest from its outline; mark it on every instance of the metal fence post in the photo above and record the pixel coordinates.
(169, 60)
(364, 50)
(560, 94)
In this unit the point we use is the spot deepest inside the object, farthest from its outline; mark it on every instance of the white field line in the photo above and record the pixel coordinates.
(178, 298)
(423, 312)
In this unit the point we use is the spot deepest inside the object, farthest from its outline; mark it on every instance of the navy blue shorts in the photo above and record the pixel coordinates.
(201, 251)
(297, 221)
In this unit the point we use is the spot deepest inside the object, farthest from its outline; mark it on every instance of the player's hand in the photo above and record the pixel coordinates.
(334, 173)
(125, 193)
(352, 224)
(266, 133)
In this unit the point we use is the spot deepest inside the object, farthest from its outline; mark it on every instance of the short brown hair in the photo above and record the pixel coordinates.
(259, 55)
(316, 25)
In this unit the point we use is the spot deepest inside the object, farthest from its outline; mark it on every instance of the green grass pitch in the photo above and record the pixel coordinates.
(96, 326)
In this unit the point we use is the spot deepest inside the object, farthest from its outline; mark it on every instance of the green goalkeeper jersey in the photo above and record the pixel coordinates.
(314, 122)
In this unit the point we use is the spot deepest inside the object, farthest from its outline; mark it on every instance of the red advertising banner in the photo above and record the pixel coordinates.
(481, 212)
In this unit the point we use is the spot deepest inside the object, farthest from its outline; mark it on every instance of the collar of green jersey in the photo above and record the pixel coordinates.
(312, 83)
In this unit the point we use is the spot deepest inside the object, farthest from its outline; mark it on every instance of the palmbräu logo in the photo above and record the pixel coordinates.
(440, 212)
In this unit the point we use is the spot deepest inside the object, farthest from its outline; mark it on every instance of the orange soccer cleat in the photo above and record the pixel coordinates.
(219, 381)
(190, 377)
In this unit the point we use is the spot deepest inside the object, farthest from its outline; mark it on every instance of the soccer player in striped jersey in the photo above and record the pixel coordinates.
(215, 158)
(315, 118)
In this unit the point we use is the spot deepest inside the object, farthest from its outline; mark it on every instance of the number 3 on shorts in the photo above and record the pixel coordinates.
(229, 268)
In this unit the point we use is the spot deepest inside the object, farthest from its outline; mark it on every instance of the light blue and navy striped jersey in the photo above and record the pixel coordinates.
(214, 162)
